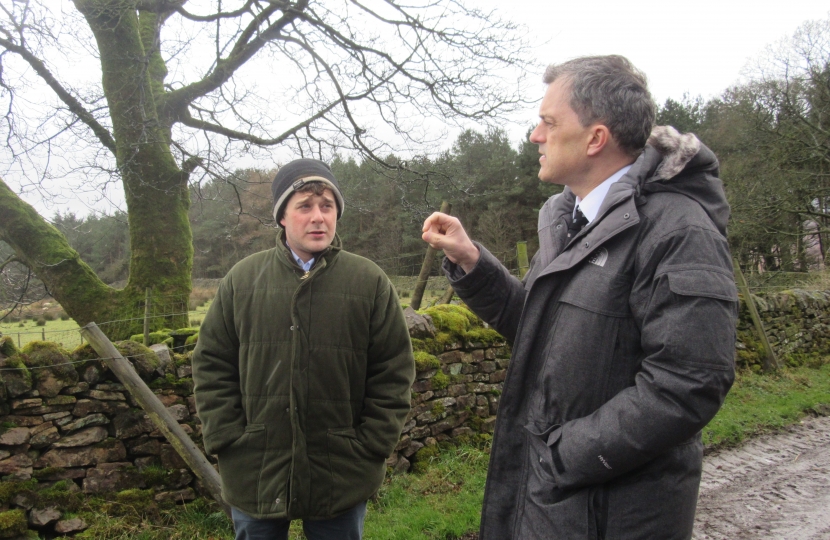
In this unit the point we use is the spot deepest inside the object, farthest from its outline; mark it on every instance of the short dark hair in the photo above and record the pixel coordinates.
(316, 187)
(609, 89)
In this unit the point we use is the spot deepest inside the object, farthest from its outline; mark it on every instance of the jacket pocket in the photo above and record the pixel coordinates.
(344, 441)
(240, 466)
(705, 283)
(598, 291)
(355, 472)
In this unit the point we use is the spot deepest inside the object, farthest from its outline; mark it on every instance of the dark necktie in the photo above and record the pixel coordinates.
(579, 221)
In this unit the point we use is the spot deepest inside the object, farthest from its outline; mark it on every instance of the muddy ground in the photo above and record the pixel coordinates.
(773, 487)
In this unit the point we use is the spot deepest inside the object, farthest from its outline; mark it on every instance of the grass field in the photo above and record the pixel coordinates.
(66, 332)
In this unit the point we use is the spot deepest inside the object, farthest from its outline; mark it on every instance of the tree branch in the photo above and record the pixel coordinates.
(247, 45)
(74, 105)
(221, 15)
(188, 120)
(40, 247)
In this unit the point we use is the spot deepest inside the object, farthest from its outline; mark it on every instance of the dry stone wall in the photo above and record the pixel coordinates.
(797, 324)
(77, 432)
(66, 421)
(72, 427)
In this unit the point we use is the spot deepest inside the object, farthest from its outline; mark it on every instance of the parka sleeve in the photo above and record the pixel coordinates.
(216, 374)
(490, 291)
(389, 374)
(685, 301)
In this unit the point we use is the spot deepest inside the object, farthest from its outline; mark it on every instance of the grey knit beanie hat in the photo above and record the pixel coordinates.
(294, 175)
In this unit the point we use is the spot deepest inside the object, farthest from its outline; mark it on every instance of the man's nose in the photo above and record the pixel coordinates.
(316, 214)
(536, 134)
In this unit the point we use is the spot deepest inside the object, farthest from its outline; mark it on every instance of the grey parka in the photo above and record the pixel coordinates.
(302, 382)
(623, 349)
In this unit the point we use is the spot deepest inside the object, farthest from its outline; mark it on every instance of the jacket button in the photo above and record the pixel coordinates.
(558, 226)
(288, 409)
(587, 244)
(277, 501)
(292, 328)
(626, 216)
(294, 499)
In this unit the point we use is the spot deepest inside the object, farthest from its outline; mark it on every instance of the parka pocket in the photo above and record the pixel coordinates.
(240, 466)
(543, 460)
(703, 282)
(549, 511)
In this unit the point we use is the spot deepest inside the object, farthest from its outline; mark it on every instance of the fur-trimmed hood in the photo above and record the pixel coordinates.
(680, 163)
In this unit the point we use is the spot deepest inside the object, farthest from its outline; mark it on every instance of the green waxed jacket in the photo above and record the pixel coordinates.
(302, 382)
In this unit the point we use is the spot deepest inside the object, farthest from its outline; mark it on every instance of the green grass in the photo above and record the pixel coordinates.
(63, 332)
(441, 503)
(199, 520)
(761, 403)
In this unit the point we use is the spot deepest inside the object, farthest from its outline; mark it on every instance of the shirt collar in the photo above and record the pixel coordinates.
(306, 266)
(591, 203)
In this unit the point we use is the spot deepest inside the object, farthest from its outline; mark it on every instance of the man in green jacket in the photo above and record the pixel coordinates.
(303, 371)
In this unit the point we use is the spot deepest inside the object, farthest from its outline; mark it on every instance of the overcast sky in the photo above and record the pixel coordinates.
(699, 47)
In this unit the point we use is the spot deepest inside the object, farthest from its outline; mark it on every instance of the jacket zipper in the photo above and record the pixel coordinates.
(291, 398)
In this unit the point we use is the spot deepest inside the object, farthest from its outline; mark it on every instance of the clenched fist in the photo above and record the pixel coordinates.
(446, 233)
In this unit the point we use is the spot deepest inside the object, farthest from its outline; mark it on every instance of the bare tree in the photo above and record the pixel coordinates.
(790, 96)
(150, 95)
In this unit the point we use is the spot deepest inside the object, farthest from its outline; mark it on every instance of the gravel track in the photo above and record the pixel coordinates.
(773, 487)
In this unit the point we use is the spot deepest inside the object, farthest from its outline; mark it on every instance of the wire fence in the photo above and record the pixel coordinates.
(172, 311)
(162, 311)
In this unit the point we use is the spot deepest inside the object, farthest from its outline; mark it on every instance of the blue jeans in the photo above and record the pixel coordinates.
(348, 526)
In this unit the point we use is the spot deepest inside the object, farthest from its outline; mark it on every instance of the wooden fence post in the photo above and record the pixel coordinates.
(147, 317)
(521, 256)
(448, 294)
(157, 412)
(769, 361)
(426, 268)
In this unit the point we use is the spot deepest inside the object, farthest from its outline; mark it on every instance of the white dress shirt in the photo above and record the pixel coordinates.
(591, 203)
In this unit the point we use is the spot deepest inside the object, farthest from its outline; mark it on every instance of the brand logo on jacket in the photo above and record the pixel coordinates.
(599, 257)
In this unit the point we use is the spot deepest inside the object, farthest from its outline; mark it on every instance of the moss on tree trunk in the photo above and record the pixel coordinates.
(154, 185)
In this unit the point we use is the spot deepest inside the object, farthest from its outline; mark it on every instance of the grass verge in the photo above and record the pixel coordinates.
(762, 403)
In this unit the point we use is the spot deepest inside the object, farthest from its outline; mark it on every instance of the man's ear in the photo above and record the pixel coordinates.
(600, 137)
(282, 222)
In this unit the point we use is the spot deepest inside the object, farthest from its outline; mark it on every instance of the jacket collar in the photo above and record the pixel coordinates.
(324, 258)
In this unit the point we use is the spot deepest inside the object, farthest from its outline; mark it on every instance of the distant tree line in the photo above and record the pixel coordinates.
(771, 135)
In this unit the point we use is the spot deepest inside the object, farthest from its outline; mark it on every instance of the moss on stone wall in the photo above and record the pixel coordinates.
(47, 354)
(13, 523)
(7, 346)
(425, 361)
(159, 336)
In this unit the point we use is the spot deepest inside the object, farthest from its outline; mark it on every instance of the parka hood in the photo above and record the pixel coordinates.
(680, 163)
(671, 162)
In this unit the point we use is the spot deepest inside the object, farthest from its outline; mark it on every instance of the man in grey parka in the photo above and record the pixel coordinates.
(623, 330)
